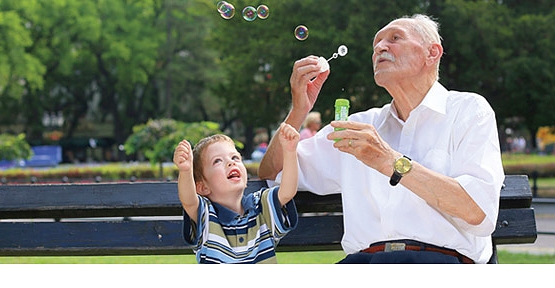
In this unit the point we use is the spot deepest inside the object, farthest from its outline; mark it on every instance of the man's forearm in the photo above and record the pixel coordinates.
(272, 162)
(443, 193)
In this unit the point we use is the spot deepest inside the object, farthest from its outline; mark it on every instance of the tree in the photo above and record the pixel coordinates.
(105, 60)
(528, 76)
(123, 62)
(189, 65)
(522, 7)
(21, 72)
(57, 29)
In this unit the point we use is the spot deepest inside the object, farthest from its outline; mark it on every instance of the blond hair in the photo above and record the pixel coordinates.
(198, 152)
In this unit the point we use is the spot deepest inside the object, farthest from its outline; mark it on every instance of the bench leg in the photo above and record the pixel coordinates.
(493, 259)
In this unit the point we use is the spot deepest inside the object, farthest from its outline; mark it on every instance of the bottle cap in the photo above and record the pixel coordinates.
(341, 102)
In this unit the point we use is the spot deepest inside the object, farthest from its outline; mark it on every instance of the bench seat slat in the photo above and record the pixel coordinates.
(92, 238)
(515, 226)
(142, 237)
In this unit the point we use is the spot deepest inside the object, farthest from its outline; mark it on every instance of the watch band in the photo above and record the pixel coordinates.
(395, 178)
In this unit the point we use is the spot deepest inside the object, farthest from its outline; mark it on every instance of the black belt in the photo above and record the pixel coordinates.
(401, 245)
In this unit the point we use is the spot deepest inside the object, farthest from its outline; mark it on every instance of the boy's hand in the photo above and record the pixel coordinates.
(288, 137)
(183, 156)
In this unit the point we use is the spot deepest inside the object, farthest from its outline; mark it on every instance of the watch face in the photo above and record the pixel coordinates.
(403, 165)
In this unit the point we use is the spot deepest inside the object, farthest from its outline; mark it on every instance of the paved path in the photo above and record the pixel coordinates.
(545, 222)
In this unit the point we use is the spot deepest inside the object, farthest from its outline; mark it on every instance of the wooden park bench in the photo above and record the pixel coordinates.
(78, 219)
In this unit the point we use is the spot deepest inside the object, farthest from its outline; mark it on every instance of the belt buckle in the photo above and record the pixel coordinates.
(394, 247)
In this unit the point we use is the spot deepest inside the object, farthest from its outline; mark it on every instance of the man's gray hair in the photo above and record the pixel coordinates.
(427, 28)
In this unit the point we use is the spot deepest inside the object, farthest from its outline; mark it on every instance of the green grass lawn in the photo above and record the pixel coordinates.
(327, 257)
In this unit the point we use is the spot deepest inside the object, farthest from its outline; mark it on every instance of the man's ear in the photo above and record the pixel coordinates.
(202, 189)
(434, 53)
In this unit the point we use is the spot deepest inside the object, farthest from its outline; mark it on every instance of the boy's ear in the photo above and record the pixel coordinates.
(202, 189)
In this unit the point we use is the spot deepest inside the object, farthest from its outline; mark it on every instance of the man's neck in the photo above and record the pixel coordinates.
(408, 95)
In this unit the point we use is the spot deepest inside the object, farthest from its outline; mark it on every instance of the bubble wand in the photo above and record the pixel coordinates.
(323, 62)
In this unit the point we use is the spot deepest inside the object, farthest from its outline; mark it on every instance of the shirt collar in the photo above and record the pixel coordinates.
(226, 215)
(435, 100)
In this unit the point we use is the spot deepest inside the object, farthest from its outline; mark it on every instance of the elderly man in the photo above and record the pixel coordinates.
(420, 177)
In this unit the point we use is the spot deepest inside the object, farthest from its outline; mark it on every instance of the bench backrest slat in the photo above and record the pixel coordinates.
(160, 199)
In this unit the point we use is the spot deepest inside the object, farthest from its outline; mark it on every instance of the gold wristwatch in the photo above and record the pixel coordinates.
(401, 166)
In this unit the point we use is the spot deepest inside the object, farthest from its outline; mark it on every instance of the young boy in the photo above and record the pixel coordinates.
(221, 223)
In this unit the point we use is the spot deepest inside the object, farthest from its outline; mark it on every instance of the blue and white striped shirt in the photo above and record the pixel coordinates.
(223, 236)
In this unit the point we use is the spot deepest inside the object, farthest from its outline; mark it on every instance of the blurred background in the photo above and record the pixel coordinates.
(100, 81)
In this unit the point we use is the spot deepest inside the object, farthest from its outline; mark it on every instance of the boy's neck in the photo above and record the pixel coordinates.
(233, 204)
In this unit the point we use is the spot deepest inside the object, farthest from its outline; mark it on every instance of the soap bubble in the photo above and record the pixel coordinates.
(342, 50)
(263, 11)
(227, 10)
(228, 15)
(249, 13)
(223, 6)
(301, 32)
(220, 6)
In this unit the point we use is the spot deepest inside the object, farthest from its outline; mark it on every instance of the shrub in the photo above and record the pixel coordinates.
(14, 147)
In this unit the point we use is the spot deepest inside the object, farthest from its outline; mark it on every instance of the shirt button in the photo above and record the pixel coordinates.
(241, 239)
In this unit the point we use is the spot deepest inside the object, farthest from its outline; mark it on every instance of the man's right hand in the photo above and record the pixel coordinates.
(306, 82)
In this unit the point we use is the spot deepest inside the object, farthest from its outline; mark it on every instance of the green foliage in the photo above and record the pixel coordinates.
(14, 147)
(157, 139)
(528, 73)
(18, 68)
(124, 62)
(104, 57)
(145, 136)
(193, 132)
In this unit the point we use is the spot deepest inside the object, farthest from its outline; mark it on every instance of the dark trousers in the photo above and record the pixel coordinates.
(400, 257)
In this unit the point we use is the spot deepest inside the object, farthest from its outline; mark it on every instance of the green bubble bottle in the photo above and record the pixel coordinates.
(341, 112)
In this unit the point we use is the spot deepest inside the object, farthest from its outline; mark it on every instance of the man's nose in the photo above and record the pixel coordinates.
(380, 47)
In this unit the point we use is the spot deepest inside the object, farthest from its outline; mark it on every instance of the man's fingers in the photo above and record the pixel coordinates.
(352, 125)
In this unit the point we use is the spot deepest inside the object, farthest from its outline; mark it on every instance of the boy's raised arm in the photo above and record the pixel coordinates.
(288, 140)
(186, 188)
